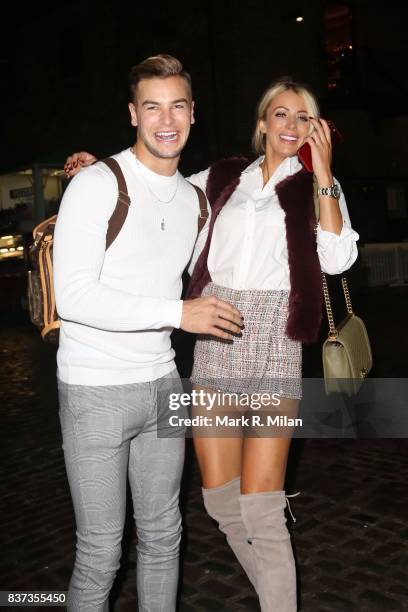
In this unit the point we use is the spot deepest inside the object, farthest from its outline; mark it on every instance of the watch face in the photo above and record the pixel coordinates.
(336, 191)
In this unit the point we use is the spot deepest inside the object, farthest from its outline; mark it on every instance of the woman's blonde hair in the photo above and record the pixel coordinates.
(276, 88)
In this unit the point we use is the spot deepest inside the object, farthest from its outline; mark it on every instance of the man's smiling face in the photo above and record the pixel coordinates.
(163, 113)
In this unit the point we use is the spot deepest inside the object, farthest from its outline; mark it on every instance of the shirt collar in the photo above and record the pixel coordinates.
(289, 166)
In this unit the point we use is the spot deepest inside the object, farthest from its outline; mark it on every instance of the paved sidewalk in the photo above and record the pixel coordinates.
(351, 532)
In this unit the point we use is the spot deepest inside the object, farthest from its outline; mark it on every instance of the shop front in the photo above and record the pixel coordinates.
(27, 196)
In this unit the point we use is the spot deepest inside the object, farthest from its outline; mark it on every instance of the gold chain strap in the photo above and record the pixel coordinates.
(333, 333)
(346, 294)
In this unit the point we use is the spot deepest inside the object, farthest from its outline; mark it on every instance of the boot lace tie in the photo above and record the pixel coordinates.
(288, 504)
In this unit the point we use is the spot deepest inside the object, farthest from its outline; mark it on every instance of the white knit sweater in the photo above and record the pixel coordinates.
(118, 307)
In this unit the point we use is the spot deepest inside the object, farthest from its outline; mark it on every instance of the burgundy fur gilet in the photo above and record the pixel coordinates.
(295, 194)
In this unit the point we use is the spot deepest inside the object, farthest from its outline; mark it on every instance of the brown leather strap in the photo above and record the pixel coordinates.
(119, 215)
(203, 208)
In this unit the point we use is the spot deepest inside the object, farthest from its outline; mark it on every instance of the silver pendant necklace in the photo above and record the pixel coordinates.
(158, 201)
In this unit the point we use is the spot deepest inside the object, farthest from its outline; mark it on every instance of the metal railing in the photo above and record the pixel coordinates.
(385, 263)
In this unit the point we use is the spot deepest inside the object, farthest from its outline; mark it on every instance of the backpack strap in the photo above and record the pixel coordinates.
(119, 215)
(203, 208)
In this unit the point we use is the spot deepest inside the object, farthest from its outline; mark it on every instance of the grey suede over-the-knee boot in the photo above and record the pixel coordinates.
(222, 504)
(264, 517)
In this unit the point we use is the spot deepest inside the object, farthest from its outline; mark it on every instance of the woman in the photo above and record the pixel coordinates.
(260, 255)
(263, 253)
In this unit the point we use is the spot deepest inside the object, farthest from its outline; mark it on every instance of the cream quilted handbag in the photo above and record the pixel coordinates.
(347, 357)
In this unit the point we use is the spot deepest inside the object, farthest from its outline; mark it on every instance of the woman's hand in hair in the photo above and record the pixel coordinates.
(321, 147)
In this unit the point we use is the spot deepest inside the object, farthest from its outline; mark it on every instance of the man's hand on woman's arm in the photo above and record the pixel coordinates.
(76, 161)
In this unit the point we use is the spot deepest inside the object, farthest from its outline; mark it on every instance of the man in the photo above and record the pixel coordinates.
(115, 361)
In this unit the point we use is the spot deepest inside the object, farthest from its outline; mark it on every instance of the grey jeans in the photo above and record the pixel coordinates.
(111, 433)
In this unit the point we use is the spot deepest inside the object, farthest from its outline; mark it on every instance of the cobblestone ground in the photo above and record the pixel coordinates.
(350, 536)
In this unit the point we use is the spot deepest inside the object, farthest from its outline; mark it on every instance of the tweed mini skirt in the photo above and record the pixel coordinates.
(263, 359)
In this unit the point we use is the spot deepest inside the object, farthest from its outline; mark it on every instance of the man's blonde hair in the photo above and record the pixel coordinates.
(276, 88)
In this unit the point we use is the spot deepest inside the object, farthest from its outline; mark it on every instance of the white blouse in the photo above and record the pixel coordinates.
(248, 247)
